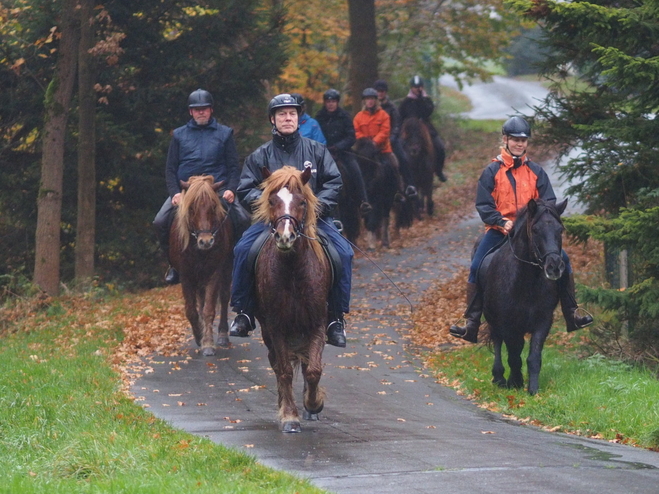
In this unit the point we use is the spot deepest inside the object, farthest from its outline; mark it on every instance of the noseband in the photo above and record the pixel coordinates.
(539, 258)
(298, 226)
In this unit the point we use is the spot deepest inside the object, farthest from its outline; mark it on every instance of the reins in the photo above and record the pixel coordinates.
(534, 248)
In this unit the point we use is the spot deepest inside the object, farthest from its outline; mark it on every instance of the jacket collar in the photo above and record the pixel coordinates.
(510, 161)
(212, 124)
(287, 143)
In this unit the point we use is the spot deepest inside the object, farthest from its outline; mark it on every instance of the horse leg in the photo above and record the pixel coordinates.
(515, 347)
(534, 360)
(497, 368)
(191, 311)
(223, 302)
(370, 240)
(314, 395)
(208, 298)
(281, 365)
(385, 231)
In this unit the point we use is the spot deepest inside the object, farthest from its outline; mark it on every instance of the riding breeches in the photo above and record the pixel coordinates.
(163, 222)
(242, 288)
(491, 241)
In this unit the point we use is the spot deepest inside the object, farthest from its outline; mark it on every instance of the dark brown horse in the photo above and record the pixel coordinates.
(201, 250)
(293, 279)
(520, 290)
(418, 145)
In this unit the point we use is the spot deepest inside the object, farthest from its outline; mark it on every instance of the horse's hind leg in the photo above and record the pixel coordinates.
(223, 302)
(192, 312)
(498, 368)
(208, 305)
(385, 231)
(314, 395)
(515, 347)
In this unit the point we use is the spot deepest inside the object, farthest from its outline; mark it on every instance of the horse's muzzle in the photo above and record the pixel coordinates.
(205, 241)
(554, 266)
(284, 241)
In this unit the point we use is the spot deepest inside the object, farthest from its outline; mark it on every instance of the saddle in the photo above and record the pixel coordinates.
(328, 248)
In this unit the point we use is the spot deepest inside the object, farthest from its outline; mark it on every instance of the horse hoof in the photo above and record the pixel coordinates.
(223, 341)
(310, 416)
(291, 426)
(208, 351)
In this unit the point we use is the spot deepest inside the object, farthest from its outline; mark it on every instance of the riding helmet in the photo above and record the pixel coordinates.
(200, 98)
(369, 92)
(516, 127)
(282, 101)
(332, 94)
(416, 81)
(299, 98)
(380, 85)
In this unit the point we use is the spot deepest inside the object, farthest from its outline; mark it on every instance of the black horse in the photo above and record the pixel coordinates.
(520, 289)
(349, 201)
(382, 183)
(417, 143)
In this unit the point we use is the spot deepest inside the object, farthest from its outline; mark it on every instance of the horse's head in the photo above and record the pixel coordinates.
(415, 137)
(540, 225)
(288, 205)
(200, 212)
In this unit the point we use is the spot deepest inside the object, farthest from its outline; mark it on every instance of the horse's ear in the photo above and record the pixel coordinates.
(265, 173)
(532, 207)
(306, 174)
(560, 208)
(184, 185)
(217, 185)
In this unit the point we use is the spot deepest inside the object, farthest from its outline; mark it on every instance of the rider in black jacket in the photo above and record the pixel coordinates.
(288, 147)
(339, 131)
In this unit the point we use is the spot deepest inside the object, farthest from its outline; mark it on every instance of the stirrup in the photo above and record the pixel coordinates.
(589, 318)
(241, 326)
(336, 333)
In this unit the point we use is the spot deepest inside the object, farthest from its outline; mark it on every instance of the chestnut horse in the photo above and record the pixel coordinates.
(201, 250)
(293, 280)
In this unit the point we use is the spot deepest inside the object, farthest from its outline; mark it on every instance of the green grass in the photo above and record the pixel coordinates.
(593, 396)
(66, 427)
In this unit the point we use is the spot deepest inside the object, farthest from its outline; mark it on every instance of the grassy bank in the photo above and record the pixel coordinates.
(66, 427)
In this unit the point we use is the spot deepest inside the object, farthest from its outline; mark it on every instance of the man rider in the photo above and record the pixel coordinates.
(337, 127)
(511, 179)
(387, 105)
(288, 147)
(418, 104)
(203, 146)
(309, 127)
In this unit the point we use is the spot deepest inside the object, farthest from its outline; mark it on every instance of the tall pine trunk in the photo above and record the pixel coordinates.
(49, 200)
(363, 49)
(86, 212)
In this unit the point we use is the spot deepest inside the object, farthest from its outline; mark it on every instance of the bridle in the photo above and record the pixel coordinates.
(195, 233)
(539, 258)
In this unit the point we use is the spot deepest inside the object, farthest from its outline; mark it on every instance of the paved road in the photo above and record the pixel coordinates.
(387, 427)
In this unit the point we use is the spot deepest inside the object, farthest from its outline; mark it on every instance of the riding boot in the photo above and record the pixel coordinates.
(336, 334)
(469, 331)
(242, 325)
(569, 305)
(171, 276)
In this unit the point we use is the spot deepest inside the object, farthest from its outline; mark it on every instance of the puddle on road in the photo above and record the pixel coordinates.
(596, 454)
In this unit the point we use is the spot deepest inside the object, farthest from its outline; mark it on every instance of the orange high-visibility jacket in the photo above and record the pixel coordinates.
(375, 125)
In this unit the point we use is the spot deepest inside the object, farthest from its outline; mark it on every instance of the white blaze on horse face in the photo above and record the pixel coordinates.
(287, 198)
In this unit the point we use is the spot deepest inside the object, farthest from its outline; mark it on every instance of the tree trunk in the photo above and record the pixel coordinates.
(363, 49)
(86, 213)
(49, 200)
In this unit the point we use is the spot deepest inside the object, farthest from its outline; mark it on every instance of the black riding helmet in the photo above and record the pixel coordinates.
(282, 101)
(299, 98)
(200, 98)
(516, 127)
(380, 85)
(416, 81)
(369, 92)
(332, 94)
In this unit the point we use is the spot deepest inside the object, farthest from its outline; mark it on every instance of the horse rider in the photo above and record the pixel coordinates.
(387, 105)
(337, 127)
(418, 104)
(374, 123)
(309, 127)
(288, 147)
(203, 146)
(511, 179)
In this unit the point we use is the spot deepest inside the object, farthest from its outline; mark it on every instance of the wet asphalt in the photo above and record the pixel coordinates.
(387, 426)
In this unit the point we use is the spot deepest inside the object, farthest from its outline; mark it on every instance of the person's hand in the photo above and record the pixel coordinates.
(228, 196)
(176, 200)
(507, 226)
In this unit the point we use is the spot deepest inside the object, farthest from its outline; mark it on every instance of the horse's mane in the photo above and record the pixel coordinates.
(199, 192)
(290, 178)
(365, 147)
(523, 215)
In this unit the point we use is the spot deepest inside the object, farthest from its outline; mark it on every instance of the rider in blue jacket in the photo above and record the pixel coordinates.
(288, 147)
(309, 127)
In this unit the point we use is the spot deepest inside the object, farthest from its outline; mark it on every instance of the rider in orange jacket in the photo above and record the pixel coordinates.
(373, 122)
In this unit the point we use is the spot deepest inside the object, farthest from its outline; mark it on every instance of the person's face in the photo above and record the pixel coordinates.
(370, 102)
(418, 90)
(331, 105)
(516, 145)
(285, 120)
(201, 115)
(382, 94)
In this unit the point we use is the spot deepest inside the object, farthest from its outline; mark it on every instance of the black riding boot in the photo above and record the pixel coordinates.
(569, 305)
(242, 325)
(469, 331)
(336, 333)
(171, 276)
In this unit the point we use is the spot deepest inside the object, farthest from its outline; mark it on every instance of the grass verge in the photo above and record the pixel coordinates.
(65, 425)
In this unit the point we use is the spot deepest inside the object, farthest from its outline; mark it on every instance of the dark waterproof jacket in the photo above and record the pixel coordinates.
(337, 128)
(202, 150)
(293, 151)
(416, 107)
(394, 117)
